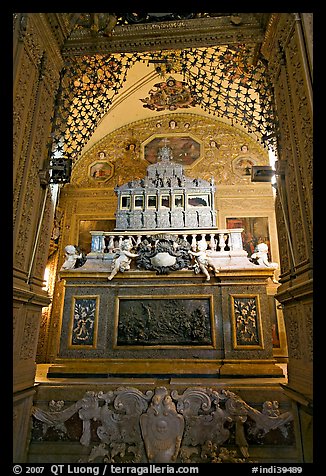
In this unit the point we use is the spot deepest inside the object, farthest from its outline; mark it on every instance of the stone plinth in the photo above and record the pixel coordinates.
(145, 324)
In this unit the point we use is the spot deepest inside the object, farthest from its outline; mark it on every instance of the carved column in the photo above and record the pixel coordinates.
(287, 47)
(36, 75)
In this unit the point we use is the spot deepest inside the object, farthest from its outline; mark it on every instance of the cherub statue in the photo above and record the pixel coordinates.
(202, 261)
(72, 255)
(122, 258)
(260, 257)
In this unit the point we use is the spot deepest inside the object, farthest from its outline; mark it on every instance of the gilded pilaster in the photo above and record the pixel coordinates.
(288, 49)
(36, 75)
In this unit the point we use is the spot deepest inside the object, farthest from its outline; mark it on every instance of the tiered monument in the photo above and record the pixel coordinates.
(166, 298)
(166, 292)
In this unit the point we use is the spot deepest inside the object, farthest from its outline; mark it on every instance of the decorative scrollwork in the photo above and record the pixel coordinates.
(163, 426)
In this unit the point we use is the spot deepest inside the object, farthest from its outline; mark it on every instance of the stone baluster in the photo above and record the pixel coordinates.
(221, 241)
(139, 237)
(212, 242)
(103, 245)
(96, 245)
(120, 241)
(111, 244)
(235, 240)
(93, 244)
(194, 243)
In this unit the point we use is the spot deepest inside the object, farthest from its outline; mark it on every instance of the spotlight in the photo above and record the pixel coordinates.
(262, 173)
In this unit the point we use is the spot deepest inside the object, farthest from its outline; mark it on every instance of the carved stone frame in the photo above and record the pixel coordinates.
(74, 298)
(175, 135)
(165, 346)
(237, 346)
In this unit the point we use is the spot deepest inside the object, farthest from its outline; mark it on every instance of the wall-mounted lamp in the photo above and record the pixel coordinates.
(262, 173)
(60, 170)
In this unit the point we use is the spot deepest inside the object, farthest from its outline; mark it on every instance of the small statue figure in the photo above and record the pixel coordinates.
(260, 258)
(122, 258)
(72, 255)
(202, 261)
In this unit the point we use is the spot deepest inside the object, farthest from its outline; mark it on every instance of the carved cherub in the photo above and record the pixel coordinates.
(260, 257)
(203, 262)
(71, 254)
(122, 258)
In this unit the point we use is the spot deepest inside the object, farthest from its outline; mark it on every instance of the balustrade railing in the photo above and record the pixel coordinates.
(218, 241)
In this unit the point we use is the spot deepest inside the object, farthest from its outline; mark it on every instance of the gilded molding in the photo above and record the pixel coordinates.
(49, 41)
(288, 292)
(228, 138)
(43, 242)
(176, 34)
(31, 297)
(46, 311)
(278, 33)
(282, 237)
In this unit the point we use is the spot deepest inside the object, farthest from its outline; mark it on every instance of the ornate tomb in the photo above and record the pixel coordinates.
(166, 293)
(165, 199)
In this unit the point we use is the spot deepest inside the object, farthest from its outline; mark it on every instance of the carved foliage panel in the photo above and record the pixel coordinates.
(21, 425)
(246, 322)
(34, 194)
(84, 322)
(282, 237)
(68, 234)
(41, 84)
(30, 334)
(307, 313)
(294, 331)
(293, 188)
(23, 109)
(298, 324)
(52, 337)
(295, 122)
(18, 326)
(28, 53)
(302, 127)
(282, 49)
(299, 330)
